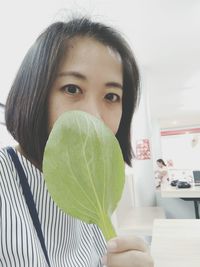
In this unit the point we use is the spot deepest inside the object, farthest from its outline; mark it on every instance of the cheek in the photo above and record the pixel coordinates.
(117, 125)
(114, 121)
(53, 116)
(54, 111)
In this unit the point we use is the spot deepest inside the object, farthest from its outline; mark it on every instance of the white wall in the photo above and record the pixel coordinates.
(179, 148)
(143, 169)
(156, 142)
(5, 137)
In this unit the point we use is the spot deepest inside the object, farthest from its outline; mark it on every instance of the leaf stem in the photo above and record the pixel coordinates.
(107, 227)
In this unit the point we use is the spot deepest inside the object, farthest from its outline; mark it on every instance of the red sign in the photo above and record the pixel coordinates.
(143, 149)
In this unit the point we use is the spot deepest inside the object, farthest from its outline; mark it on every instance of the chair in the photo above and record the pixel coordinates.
(129, 219)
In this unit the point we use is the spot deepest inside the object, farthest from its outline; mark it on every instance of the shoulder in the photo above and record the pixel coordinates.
(4, 157)
(6, 173)
(6, 165)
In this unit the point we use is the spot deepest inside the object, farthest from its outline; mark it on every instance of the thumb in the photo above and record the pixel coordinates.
(124, 243)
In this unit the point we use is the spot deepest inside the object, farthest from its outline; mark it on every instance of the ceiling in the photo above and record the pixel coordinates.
(164, 34)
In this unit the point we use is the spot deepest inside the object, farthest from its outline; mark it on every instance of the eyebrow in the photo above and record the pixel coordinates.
(83, 77)
(114, 84)
(72, 73)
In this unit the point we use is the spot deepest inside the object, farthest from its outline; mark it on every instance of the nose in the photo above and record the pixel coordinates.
(92, 107)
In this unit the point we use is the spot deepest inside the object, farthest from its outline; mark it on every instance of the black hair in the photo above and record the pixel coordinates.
(26, 111)
(161, 161)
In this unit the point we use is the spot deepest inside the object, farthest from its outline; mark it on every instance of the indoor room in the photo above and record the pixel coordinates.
(133, 82)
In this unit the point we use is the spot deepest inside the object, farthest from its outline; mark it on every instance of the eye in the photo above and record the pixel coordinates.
(111, 97)
(71, 89)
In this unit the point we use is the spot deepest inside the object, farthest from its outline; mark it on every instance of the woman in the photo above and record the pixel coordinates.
(78, 65)
(161, 174)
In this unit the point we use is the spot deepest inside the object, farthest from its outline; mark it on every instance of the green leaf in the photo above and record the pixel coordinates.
(84, 169)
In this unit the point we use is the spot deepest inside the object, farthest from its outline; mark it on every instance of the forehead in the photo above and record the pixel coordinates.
(92, 59)
(84, 49)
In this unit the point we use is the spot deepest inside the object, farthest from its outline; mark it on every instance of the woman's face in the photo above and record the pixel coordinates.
(160, 165)
(89, 79)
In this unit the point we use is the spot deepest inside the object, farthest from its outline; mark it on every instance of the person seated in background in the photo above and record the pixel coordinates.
(161, 174)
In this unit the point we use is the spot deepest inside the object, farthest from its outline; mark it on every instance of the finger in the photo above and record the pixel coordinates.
(132, 258)
(124, 243)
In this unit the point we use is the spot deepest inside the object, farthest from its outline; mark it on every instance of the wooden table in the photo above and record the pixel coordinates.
(187, 194)
(176, 243)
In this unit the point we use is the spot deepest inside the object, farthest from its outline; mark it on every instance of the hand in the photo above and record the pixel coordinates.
(127, 251)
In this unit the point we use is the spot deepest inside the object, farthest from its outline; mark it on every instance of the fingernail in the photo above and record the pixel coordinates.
(111, 245)
(104, 260)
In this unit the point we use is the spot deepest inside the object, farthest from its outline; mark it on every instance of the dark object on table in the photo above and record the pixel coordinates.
(182, 184)
(196, 175)
(174, 182)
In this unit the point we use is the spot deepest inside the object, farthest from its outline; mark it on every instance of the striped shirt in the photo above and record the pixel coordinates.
(69, 241)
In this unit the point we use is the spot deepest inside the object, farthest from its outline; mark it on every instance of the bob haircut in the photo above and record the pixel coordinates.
(26, 110)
